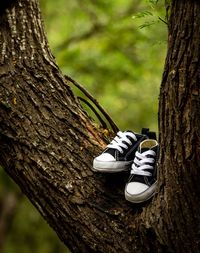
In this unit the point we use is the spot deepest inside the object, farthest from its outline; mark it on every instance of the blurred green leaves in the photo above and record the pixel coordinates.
(101, 45)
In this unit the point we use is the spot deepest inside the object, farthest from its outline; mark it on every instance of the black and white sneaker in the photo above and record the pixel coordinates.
(142, 182)
(119, 154)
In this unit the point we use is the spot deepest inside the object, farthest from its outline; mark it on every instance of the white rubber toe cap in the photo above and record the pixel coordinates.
(136, 192)
(135, 188)
(105, 158)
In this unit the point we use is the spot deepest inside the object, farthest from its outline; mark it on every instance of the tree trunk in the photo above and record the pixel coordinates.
(47, 143)
(179, 127)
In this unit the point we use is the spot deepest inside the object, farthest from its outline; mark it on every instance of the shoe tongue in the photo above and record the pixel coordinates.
(143, 150)
(129, 131)
(130, 137)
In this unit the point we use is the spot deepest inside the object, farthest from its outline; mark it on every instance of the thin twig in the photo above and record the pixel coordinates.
(103, 123)
(162, 20)
(95, 102)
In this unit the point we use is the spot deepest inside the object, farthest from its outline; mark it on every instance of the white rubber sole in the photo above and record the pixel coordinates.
(111, 167)
(143, 196)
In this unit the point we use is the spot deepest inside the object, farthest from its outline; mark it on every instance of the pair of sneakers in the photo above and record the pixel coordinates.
(137, 153)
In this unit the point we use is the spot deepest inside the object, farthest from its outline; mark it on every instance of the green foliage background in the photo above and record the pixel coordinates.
(116, 50)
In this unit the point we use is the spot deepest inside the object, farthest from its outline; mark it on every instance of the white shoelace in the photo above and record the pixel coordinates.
(120, 141)
(140, 165)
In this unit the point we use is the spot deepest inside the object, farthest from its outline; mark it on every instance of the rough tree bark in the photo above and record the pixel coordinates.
(47, 143)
